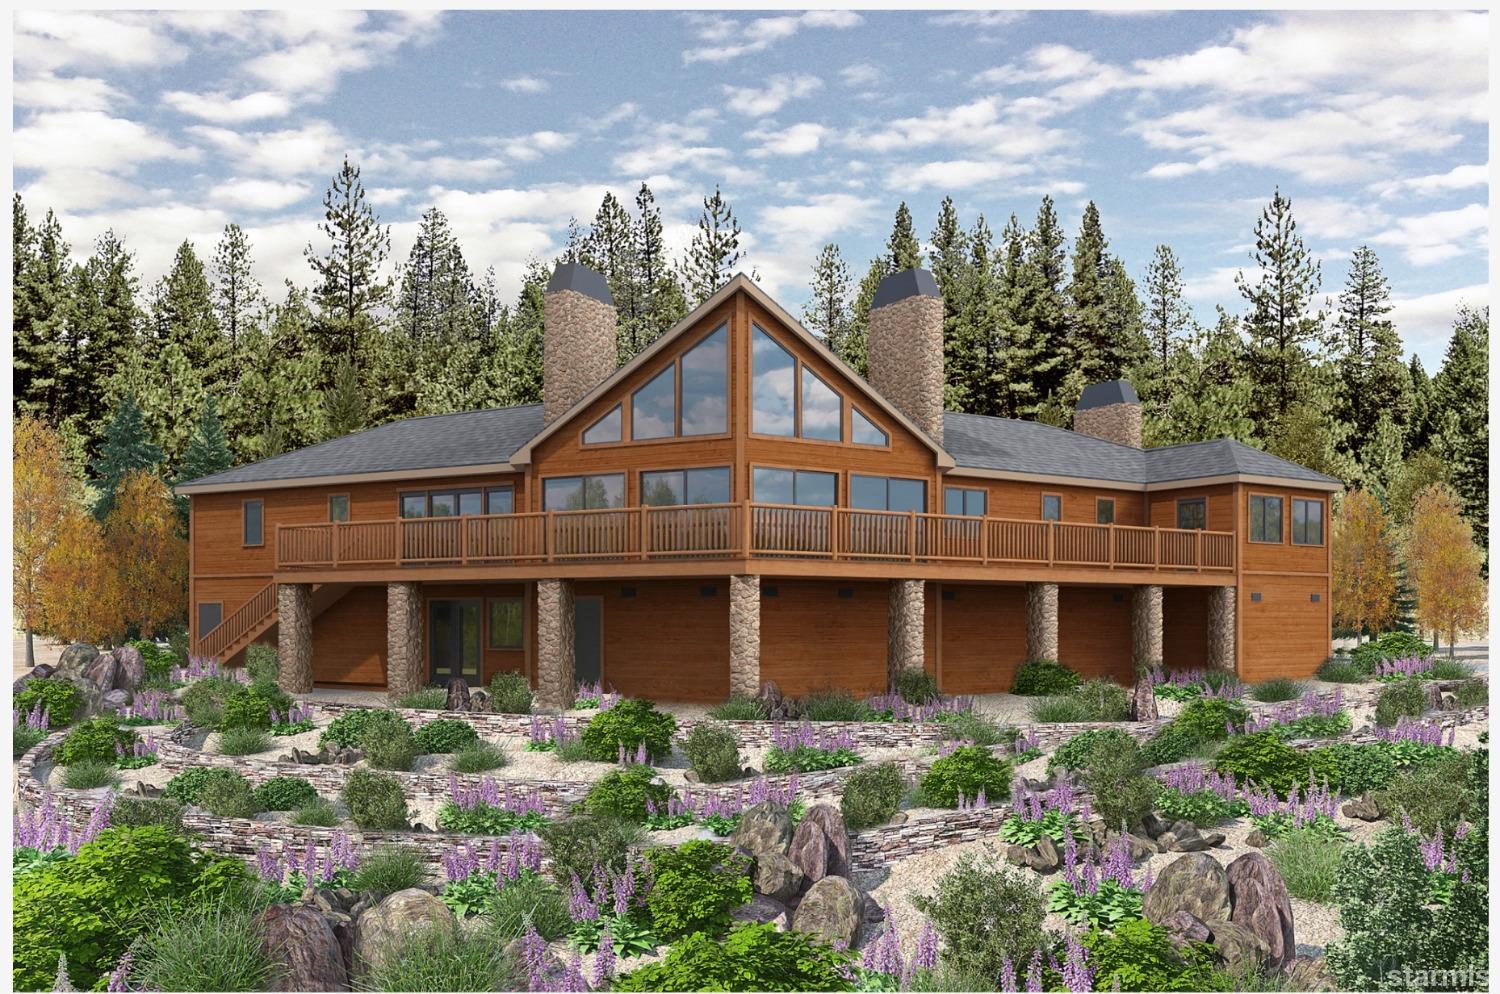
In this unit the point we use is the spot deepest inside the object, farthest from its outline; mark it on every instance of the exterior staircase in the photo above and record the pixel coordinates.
(256, 617)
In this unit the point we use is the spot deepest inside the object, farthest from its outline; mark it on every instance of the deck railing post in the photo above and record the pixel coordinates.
(642, 539)
(911, 535)
(1198, 550)
(333, 539)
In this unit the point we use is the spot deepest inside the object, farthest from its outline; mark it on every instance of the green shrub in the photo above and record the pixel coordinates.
(1140, 956)
(428, 698)
(966, 770)
(24, 738)
(1113, 773)
(243, 742)
(133, 812)
(872, 795)
(713, 752)
(807, 759)
(261, 664)
(530, 900)
(87, 774)
(1105, 700)
(1444, 668)
(1042, 677)
(92, 906)
(1391, 645)
(1073, 753)
(1264, 759)
(177, 644)
(834, 705)
(695, 886)
(1207, 718)
(1308, 861)
(477, 757)
(219, 947)
(158, 661)
(1338, 669)
(1472, 693)
(250, 707)
(284, 794)
(1400, 699)
(751, 958)
(971, 726)
(510, 693)
(374, 800)
(1353, 768)
(438, 957)
(624, 793)
(1204, 808)
(445, 735)
(1433, 795)
(318, 813)
(628, 724)
(574, 844)
(1059, 709)
(347, 729)
(985, 913)
(739, 708)
(228, 796)
(387, 742)
(94, 739)
(916, 686)
(58, 697)
(389, 868)
(203, 700)
(1278, 689)
(187, 787)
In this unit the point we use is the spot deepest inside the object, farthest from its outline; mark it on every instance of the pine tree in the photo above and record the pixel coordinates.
(855, 349)
(972, 345)
(1028, 362)
(344, 401)
(1373, 381)
(185, 316)
(1283, 329)
(826, 312)
(349, 285)
(208, 452)
(1166, 319)
(520, 355)
(237, 293)
(41, 303)
(1461, 392)
(126, 448)
(662, 303)
(1209, 393)
(437, 295)
(275, 403)
(1088, 345)
(715, 249)
(103, 335)
(1041, 304)
(950, 249)
(902, 250)
(609, 248)
(1420, 424)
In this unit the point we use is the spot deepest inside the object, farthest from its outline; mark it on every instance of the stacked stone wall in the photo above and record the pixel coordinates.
(1041, 621)
(405, 666)
(555, 659)
(578, 349)
(906, 359)
(744, 635)
(294, 639)
(1114, 423)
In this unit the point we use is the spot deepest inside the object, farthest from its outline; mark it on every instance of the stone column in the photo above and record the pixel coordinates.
(1221, 645)
(1145, 627)
(578, 337)
(1041, 621)
(405, 663)
(554, 644)
(906, 347)
(904, 627)
(294, 637)
(744, 635)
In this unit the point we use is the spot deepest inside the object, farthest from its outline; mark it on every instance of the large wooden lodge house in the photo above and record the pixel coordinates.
(735, 505)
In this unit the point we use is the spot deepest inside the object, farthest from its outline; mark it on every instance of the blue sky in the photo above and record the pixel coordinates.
(817, 124)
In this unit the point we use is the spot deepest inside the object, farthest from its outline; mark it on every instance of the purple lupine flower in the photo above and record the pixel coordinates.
(1034, 974)
(268, 865)
(119, 977)
(604, 960)
(534, 958)
(1008, 976)
(580, 907)
(1076, 972)
(1432, 851)
(926, 955)
(98, 822)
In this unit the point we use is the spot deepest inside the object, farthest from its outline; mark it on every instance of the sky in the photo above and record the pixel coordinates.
(167, 126)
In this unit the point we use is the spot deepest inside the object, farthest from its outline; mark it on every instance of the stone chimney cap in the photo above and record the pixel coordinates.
(907, 283)
(579, 278)
(1107, 394)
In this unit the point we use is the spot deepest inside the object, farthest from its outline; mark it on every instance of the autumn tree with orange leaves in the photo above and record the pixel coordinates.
(1444, 565)
(79, 593)
(148, 557)
(46, 488)
(1364, 565)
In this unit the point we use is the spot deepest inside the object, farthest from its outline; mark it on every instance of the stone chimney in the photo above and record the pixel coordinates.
(1110, 411)
(906, 347)
(578, 339)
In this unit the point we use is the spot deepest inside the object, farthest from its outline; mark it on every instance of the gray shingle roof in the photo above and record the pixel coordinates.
(980, 442)
(470, 438)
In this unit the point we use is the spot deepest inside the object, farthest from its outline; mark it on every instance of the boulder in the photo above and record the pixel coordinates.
(1362, 807)
(772, 701)
(763, 828)
(831, 820)
(116, 701)
(75, 659)
(1183, 927)
(458, 695)
(132, 668)
(41, 671)
(1044, 857)
(833, 908)
(762, 909)
(1015, 854)
(777, 877)
(102, 671)
(1142, 847)
(1194, 883)
(1185, 837)
(1154, 824)
(810, 849)
(1240, 949)
(479, 700)
(1143, 700)
(380, 928)
(1257, 838)
(303, 943)
(1259, 901)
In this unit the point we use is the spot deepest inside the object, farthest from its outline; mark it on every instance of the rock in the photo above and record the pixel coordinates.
(1185, 837)
(1194, 883)
(102, 671)
(763, 828)
(1143, 700)
(899, 818)
(762, 909)
(1258, 839)
(831, 820)
(874, 913)
(1099, 832)
(1362, 807)
(1016, 855)
(41, 671)
(75, 659)
(777, 876)
(1237, 947)
(380, 928)
(833, 909)
(324, 902)
(1186, 927)
(1214, 839)
(304, 944)
(809, 850)
(479, 701)
(1448, 702)
(458, 695)
(1142, 847)
(1043, 856)
(1154, 824)
(691, 776)
(1259, 901)
(115, 700)
(772, 702)
(132, 668)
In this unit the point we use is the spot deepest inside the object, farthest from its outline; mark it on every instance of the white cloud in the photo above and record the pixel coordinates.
(49, 40)
(861, 74)
(977, 18)
(526, 84)
(46, 91)
(317, 47)
(724, 38)
(315, 147)
(816, 219)
(66, 190)
(1426, 321)
(221, 108)
(526, 148)
(998, 127)
(797, 139)
(90, 140)
(778, 91)
(258, 194)
(1215, 286)
(1427, 239)
(1458, 178)
(956, 174)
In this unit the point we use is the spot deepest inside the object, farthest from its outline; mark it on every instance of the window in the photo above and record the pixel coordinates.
(606, 429)
(773, 372)
(575, 493)
(505, 623)
(822, 409)
(705, 385)
(210, 613)
(254, 514)
(1307, 522)
(1104, 510)
(653, 408)
(887, 493)
(1051, 507)
(685, 486)
(500, 500)
(414, 505)
(786, 486)
(1265, 518)
(338, 507)
(863, 431)
(962, 500)
(444, 503)
(1192, 512)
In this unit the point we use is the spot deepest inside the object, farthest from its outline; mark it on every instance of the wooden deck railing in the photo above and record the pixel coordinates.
(239, 624)
(745, 530)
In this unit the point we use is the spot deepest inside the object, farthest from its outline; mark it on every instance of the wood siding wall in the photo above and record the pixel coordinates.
(983, 633)
(1184, 627)
(1093, 631)
(668, 642)
(813, 639)
(349, 640)
(1285, 633)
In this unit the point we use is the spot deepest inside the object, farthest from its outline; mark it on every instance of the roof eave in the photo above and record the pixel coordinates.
(335, 479)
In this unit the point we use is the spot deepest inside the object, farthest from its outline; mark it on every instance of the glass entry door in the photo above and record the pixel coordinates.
(588, 639)
(454, 640)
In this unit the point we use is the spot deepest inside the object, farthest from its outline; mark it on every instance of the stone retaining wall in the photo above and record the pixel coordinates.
(877, 847)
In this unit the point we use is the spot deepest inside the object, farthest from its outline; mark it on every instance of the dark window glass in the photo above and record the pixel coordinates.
(606, 429)
(563, 493)
(338, 507)
(470, 502)
(505, 623)
(653, 408)
(816, 489)
(1307, 522)
(576, 493)
(500, 500)
(863, 431)
(708, 486)
(209, 616)
(962, 500)
(414, 505)
(774, 486)
(822, 409)
(1192, 513)
(785, 486)
(661, 489)
(887, 493)
(443, 505)
(1265, 519)
(1104, 511)
(867, 492)
(1051, 507)
(773, 372)
(254, 522)
(907, 495)
(705, 385)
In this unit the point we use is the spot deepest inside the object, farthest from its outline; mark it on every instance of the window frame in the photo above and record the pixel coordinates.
(490, 491)
(983, 492)
(618, 408)
(1322, 507)
(794, 471)
(1280, 538)
(348, 505)
(1059, 498)
(1202, 502)
(640, 483)
(855, 411)
(1099, 505)
(921, 481)
(846, 403)
(624, 490)
(260, 526)
(458, 493)
(489, 628)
